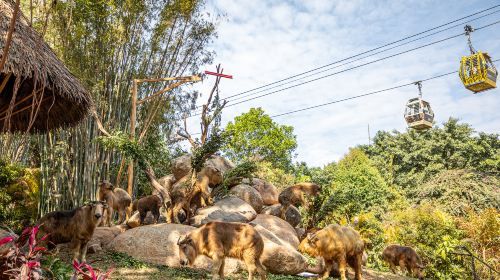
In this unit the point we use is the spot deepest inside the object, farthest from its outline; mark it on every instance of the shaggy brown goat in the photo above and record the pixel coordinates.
(76, 226)
(295, 194)
(404, 257)
(218, 240)
(336, 244)
(183, 192)
(148, 203)
(117, 199)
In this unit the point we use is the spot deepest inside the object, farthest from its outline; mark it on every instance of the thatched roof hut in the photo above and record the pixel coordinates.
(40, 93)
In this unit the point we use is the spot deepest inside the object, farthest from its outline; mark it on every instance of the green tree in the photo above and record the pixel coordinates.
(458, 191)
(409, 159)
(433, 234)
(255, 134)
(357, 187)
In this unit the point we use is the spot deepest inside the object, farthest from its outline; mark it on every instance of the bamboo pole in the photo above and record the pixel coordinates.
(132, 136)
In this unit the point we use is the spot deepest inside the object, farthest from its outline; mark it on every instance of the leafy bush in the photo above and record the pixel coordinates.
(357, 187)
(433, 234)
(456, 191)
(19, 192)
(483, 231)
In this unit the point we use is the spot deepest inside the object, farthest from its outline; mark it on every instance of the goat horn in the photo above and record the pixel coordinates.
(178, 241)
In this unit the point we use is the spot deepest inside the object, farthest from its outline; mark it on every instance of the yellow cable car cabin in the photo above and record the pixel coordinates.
(477, 71)
(418, 112)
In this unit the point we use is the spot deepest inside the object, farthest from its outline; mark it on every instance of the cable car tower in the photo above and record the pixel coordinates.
(477, 71)
(418, 113)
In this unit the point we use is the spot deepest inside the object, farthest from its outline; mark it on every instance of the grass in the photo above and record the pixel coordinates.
(127, 268)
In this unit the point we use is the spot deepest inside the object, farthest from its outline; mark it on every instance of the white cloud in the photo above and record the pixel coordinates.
(264, 41)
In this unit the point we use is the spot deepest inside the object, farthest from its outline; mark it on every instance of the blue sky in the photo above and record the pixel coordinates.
(263, 41)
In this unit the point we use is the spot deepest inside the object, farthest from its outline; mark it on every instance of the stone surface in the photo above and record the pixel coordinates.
(229, 209)
(135, 219)
(267, 191)
(157, 244)
(249, 195)
(292, 214)
(279, 257)
(181, 166)
(103, 236)
(279, 227)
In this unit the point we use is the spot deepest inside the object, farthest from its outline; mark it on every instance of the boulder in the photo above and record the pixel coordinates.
(135, 220)
(214, 168)
(103, 236)
(267, 191)
(249, 195)
(279, 257)
(157, 244)
(228, 209)
(292, 214)
(279, 227)
(181, 166)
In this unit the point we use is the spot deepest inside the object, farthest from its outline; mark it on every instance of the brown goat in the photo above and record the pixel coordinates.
(404, 257)
(336, 244)
(295, 194)
(76, 226)
(117, 199)
(148, 203)
(218, 240)
(183, 192)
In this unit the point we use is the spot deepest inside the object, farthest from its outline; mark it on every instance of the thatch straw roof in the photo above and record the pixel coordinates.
(43, 87)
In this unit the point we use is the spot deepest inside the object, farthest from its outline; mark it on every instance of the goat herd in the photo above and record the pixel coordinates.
(335, 246)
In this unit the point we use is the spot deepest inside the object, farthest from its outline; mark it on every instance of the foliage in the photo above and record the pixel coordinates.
(372, 232)
(212, 145)
(130, 148)
(243, 170)
(409, 159)
(87, 272)
(357, 187)
(23, 260)
(483, 232)
(433, 234)
(255, 135)
(107, 44)
(19, 191)
(56, 268)
(456, 191)
(276, 176)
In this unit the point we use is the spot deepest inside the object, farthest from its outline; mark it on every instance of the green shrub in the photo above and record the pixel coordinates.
(433, 234)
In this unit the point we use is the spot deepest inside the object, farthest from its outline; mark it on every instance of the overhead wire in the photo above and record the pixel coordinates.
(354, 67)
(366, 94)
(374, 49)
(358, 59)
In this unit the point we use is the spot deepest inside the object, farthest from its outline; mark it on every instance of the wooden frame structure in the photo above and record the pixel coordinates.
(133, 115)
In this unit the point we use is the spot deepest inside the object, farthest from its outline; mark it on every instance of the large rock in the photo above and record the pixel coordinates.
(181, 166)
(267, 191)
(157, 244)
(279, 256)
(292, 215)
(214, 168)
(135, 220)
(279, 227)
(229, 209)
(249, 195)
(167, 182)
(103, 236)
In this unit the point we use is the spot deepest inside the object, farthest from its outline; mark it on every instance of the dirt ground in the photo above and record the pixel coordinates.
(127, 268)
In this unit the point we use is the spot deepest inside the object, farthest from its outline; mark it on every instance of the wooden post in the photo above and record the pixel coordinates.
(132, 136)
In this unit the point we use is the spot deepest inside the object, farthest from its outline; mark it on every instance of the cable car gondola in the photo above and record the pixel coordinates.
(418, 113)
(477, 71)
